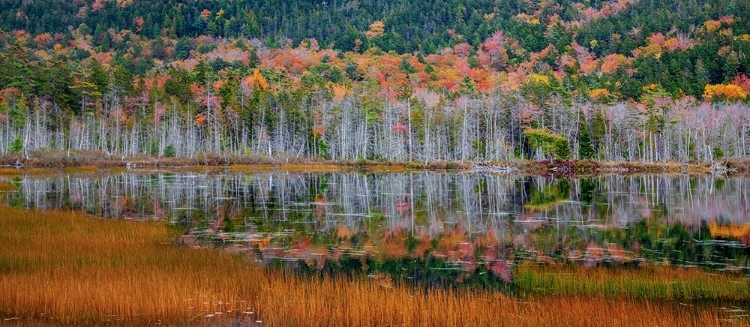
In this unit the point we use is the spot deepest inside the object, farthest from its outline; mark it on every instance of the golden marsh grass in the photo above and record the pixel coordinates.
(65, 268)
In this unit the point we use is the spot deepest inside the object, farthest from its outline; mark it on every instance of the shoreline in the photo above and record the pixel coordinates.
(567, 168)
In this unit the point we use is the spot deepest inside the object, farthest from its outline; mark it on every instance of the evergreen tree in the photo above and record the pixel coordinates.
(585, 148)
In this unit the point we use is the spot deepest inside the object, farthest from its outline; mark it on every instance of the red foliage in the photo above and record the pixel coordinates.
(400, 129)
(742, 81)
(402, 207)
(98, 4)
(462, 49)
(657, 38)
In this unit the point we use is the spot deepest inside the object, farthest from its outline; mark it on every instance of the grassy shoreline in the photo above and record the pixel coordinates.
(10, 165)
(67, 268)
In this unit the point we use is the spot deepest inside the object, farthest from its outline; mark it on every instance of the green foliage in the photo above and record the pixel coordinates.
(585, 148)
(718, 153)
(549, 143)
(170, 151)
(16, 146)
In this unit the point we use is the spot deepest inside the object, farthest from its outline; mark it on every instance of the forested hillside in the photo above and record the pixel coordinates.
(378, 80)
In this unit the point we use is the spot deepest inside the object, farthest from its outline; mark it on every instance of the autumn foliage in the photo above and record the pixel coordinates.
(724, 92)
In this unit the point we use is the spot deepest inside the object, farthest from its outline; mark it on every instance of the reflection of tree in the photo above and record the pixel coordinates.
(549, 195)
(466, 221)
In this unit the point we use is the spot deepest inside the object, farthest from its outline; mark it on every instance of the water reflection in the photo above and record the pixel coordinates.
(438, 227)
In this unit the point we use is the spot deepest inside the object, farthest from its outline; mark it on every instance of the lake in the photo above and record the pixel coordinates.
(430, 227)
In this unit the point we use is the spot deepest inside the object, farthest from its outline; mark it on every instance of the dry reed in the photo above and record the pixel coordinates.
(63, 268)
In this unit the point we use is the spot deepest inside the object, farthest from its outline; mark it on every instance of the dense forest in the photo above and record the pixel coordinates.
(376, 80)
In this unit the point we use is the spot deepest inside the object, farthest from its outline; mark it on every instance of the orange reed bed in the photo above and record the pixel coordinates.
(64, 268)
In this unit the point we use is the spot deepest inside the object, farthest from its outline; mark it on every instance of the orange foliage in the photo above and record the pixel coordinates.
(289, 61)
(10, 93)
(613, 62)
(736, 231)
(257, 81)
(196, 89)
(217, 85)
(138, 23)
(200, 119)
(587, 60)
(44, 39)
(124, 3)
(671, 44)
(318, 130)
(340, 91)
(104, 58)
(728, 92)
(205, 14)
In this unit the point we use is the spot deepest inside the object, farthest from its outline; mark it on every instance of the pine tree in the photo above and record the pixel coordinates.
(585, 148)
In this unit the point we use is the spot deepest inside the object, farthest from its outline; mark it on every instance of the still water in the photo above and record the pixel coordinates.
(424, 225)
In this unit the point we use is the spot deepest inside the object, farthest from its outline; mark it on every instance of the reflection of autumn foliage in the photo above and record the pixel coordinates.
(126, 206)
(501, 269)
(320, 206)
(741, 232)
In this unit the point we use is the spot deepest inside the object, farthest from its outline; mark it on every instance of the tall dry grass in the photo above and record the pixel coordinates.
(63, 268)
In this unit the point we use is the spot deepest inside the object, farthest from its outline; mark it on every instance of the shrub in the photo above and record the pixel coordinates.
(170, 151)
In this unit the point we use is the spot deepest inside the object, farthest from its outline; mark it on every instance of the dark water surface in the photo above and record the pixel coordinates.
(437, 227)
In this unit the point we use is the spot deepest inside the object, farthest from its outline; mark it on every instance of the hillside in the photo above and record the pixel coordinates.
(382, 80)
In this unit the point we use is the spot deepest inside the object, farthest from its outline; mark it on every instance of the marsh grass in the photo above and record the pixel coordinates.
(648, 281)
(65, 268)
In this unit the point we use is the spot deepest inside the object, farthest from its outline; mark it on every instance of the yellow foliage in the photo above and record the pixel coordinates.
(728, 92)
(654, 49)
(711, 26)
(529, 19)
(670, 43)
(377, 28)
(650, 88)
(599, 93)
(538, 79)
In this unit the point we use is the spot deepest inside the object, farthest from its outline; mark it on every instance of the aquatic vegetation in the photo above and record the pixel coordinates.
(644, 282)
